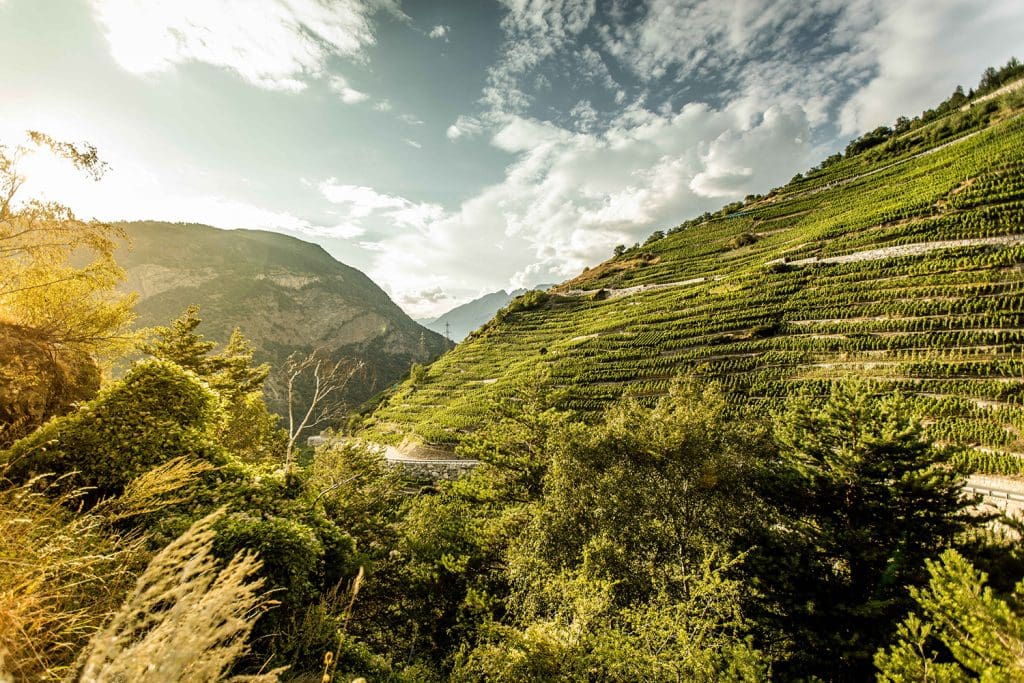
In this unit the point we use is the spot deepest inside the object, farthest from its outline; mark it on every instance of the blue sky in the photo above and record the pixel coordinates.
(453, 148)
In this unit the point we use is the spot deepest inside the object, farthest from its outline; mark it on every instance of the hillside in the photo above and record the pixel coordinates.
(460, 321)
(898, 263)
(286, 295)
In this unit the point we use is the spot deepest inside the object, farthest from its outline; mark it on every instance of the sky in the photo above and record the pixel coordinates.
(456, 147)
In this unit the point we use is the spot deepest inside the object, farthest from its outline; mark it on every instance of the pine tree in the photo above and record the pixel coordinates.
(179, 343)
(232, 369)
(867, 500)
(964, 618)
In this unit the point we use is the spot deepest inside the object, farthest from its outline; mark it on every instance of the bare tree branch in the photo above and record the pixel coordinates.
(327, 378)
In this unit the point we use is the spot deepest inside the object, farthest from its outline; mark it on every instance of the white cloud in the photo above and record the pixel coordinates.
(439, 31)
(919, 46)
(412, 143)
(432, 295)
(535, 30)
(348, 94)
(464, 127)
(361, 202)
(568, 197)
(274, 44)
(740, 161)
(382, 105)
(584, 115)
(410, 119)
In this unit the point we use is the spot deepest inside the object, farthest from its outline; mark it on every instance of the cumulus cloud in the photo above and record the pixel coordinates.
(274, 44)
(535, 31)
(424, 296)
(738, 161)
(569, 196)
(348, 94)
(918, 44)
(438, 32)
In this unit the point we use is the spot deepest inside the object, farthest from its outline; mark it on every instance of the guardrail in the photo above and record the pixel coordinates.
(1001, 494)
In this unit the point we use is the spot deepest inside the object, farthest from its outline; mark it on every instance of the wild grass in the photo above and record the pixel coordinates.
(67, 607)
(61, 576)
(186, 620)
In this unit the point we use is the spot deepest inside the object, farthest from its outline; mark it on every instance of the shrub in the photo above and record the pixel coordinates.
(157, 412)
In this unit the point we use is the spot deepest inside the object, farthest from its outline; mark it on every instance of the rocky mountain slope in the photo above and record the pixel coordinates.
(286, 295)
(898, 263)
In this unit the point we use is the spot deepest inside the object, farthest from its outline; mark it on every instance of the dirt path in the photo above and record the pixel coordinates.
(915, 249)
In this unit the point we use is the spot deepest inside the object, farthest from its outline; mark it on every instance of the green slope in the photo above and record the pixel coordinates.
(902, 266)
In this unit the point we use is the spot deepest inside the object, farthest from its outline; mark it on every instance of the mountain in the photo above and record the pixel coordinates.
(286, 295)
(461, 320)
(898, 263)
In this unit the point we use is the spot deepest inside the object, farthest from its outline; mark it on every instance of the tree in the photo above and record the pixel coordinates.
(324, 381)
(157, 412)
(982, 634)
(621, 566)
(644, 495)
(247, 428)
(40, 286)
(180, 343)
(865, 500)
(619, 250)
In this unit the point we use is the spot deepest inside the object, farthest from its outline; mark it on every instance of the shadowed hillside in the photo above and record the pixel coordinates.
(286, 295)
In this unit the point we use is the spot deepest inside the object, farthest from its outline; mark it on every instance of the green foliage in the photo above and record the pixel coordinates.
(181, 344)
(692, 638)
(247, 427)
(744, 239)
(967, 632)
(615, 563)
(642, 495)
(417, 373)
(359, 492)
(865, 500)
(57, 272)
(528, 301)
(824, 305)
(157, 412)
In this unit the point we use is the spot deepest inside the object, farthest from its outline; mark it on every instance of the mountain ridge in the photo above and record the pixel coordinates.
(460, 321)
(285, 294)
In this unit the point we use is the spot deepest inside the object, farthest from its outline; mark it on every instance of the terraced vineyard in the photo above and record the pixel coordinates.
(903, 267)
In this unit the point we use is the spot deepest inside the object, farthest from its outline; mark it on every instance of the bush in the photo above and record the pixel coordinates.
(742, 240)
(156, 413)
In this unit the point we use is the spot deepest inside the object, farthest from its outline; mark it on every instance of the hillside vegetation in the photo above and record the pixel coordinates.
(162, 526)
(898, 263)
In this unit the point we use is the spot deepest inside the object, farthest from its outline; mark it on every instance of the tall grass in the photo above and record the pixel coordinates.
(61, 577)
(186, 620)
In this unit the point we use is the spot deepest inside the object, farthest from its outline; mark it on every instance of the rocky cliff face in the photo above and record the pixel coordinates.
(286, 295)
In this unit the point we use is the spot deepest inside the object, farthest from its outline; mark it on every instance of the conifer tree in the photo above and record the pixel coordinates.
(233, 372)
(866, 500)
(179, 343)
(962, 616)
